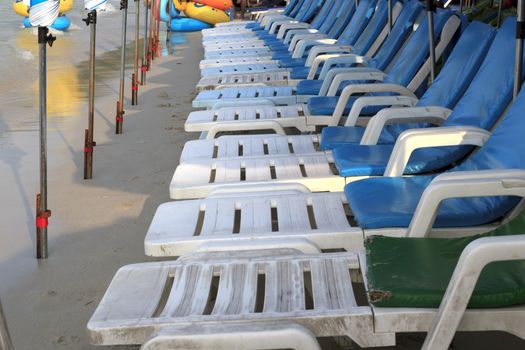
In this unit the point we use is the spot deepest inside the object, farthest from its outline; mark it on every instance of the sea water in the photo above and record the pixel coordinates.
(67, 65)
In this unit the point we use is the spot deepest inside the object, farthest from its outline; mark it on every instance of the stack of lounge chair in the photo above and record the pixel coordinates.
(369, 174)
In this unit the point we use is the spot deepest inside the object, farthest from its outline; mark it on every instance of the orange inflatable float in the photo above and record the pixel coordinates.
(218, 4)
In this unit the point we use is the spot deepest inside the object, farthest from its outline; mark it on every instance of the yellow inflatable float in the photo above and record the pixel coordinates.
(205, 13)
(180, 5)
(22, 7)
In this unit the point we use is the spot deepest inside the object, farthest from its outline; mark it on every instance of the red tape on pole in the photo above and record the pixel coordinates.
(42, 219)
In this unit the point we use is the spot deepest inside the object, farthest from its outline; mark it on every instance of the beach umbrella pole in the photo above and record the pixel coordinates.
(42, 212)
(431, 8)
(135, 76)
(144, 67)
(150, 35)
(520, 35)
(89, 144)
(168, 33)
(5, 338)
(119, 119)
(157, 27)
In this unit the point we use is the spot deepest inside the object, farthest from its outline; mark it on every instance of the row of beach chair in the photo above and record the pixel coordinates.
(337, 190)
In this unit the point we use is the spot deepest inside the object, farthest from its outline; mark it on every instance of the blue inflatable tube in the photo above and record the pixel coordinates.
(62, 23)
(164, 14)
(186, 24)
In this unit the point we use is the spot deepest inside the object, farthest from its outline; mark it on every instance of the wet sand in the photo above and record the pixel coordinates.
(99, 225)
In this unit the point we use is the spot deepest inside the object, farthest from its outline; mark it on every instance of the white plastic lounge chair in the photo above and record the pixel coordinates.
(198, 178)
(295, 11)
(258, 300)
(297, 46)
(331, 220)
(398, 81)
(461, 66)
(368, 44)
(321, 24)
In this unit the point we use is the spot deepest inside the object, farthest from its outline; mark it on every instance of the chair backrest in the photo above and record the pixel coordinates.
(323, 16)
(464, 62)
(490, 91)
(344, 16)
(401, 29)
(505, 149)
(362, 15)
(461, 66)
(290, 7)
(298, 7)
(415, 52)
(374, 27)
(309, 11)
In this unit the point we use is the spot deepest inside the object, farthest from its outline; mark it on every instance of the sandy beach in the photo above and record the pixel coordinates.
(98, 225)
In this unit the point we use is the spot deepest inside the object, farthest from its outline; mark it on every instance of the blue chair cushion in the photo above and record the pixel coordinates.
(391, 202)
(358, 160)
(281, 54)
(325, 105)
(335, 136)
(292, 62)
(300, 72)
(309, 87)
(361, 160)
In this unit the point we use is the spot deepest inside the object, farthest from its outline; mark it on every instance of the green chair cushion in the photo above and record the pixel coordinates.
(415, 272)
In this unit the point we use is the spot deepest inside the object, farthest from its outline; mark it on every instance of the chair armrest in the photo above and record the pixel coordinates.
(343, 59)
(472, 261)
(293, 32)
(296, 39)
(289, 26)
(317, 63)
(273, 26)
(301, 46)
(365, 88)
(435, 115)
(410, 140)
(336, 76)
(271, 17)
(322, 49)
(500, 182)
(243, 126)
(366, 101)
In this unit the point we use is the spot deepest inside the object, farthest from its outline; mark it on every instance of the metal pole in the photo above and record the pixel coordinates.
(5, 338)
(150, 35)
(520, 35)
(120, 104)
(144, 67)
(500, 8)
(390, 19)
(89, 144)
(43, 213)
(168, 33)
(432, 48)
(135, 77)
(460, 6)
(157, 27)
